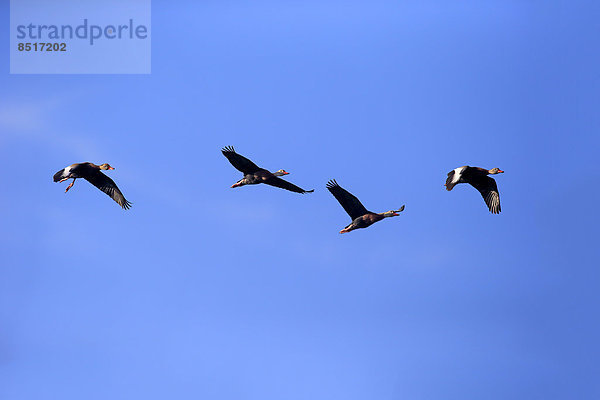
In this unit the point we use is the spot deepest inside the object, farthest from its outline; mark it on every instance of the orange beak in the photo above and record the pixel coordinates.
(286, 173)
(110, 168)
(500, 171)
(395, 214)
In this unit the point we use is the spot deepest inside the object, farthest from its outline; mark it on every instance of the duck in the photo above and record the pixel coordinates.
(254, 175)
(361, 217)
(93, 174)
(479, 179)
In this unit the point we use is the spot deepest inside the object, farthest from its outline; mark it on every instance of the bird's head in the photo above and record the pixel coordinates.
(495, 171)
(393, 213)
(280, 172)
(106, 166)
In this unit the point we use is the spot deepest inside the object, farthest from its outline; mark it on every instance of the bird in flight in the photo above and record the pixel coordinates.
(361, 217)
(93, 174)
(253, 174)
(479, 179)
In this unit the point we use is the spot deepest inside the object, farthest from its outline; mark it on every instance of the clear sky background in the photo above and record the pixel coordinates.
(205, 292)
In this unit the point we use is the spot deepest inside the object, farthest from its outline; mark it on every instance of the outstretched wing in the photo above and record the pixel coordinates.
(489, 191)
(280, 183)
(450, 181)
(240, 163)
(351, 204)
(454, 177)
(109, 187)
(58, 176)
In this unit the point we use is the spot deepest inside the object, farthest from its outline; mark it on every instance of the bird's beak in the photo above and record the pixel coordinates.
(500, 171)
(110, 168)
(343, 231)
(395, 214)
(286, 173)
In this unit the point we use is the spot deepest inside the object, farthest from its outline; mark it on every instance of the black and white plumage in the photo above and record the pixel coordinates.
(361, 217)
(479, 179)
(253, 174)
(93, 174)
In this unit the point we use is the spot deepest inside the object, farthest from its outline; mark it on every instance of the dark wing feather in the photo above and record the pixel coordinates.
(489, 191)
(240, 163)
(351, 204)
(280, 183)
(59, 175)
(449, 185)
(109, 187)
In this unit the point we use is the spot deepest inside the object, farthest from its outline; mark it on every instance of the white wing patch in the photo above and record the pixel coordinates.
(457, 172)
(66, 172)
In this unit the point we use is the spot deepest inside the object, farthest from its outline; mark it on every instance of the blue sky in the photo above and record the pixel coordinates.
(202, 291)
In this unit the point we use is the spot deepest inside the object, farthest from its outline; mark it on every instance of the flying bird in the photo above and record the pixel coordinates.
(253, 174)
(93, 174)
(479, 179)
(361, 217)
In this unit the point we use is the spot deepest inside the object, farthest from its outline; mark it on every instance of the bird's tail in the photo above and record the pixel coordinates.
(59, 175)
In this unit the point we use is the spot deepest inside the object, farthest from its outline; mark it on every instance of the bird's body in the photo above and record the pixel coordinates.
(364, 221)
(93, 174)
(361, 217)
(75, 171)
(479, 179)
(254, 175)
(260, 176)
